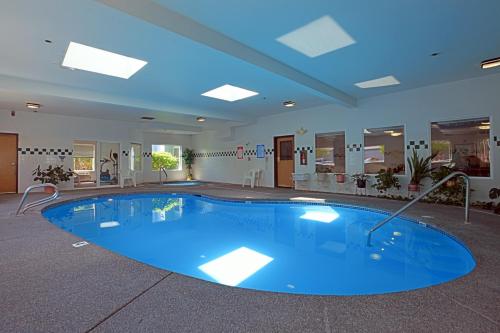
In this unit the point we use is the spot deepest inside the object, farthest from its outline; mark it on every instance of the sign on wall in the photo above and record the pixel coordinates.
(239, 152)
(261, 151)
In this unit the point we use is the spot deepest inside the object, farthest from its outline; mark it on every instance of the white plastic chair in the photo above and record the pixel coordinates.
(127, 175)
(253, 177)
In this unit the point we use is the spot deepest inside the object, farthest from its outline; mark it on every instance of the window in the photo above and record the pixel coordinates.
(384, 149)
(330, 152)
(167, 156)
(462, 145)
(83, 157)
(442, 150)
(135, 157)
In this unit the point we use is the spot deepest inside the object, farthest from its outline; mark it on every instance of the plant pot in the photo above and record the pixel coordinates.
(340, 178)
(49, 189)
(361, 183)
(413, 188)
(451, 183)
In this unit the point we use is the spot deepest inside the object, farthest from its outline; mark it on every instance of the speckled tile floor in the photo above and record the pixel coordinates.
(47, 285)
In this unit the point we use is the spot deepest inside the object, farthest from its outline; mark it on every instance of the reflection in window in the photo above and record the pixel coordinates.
(330, 152)
(384, 149)
(167, 210)
(462, 145)
(135, 157)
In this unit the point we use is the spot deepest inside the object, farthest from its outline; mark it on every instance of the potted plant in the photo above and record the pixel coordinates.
(340, 178)
(360, 179)
(188, 156)
(51, 175)
(386, 180)
(420, 168)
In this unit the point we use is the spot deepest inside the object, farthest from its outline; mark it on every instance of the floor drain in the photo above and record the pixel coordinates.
(80, 244)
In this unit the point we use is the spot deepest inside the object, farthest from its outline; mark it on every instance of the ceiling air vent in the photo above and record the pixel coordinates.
(147, 118)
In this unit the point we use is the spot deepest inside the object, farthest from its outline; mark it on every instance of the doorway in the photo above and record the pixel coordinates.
(284, 161)
(8, 163)
(84, 162)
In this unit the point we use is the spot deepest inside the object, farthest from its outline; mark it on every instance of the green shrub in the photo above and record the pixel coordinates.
(164, 159)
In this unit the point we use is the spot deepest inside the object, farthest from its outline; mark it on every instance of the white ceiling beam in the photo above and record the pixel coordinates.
(163, 17)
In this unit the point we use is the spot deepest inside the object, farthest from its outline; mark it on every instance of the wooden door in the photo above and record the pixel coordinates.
(8, 163)
(284, 161)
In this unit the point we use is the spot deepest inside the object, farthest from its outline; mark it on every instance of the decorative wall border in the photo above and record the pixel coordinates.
(45, 151)
(417, 144)
(354, 147)
(496, 139)
(231, 153)
(308, 148)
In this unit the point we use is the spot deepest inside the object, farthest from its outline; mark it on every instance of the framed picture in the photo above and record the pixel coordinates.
(239, 152)
(261, 151)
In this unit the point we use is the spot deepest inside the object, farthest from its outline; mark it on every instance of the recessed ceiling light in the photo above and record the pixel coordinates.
(490, 63)
(34, 106)
(95, 60)
(484, 127)
(380, 82)
(289, 104)
(230, 93)
(147, 118)
(388, 132)
(396, 134)
(200, 119)
(48, 41)
(318, 37)
(435, 54)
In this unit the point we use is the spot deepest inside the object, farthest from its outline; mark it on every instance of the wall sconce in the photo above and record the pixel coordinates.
(301, 131)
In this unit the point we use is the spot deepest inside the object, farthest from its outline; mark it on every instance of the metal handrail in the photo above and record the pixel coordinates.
(438, 184)
(164, 171)
(21, 209)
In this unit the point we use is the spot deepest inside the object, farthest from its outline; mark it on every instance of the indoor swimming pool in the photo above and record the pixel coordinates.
(292, 247)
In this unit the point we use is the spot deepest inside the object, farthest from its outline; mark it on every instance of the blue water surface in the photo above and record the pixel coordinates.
(281, 247)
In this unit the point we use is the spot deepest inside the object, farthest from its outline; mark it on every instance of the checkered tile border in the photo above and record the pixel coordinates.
(417, 144)
(45, 151)
(231, 153)
(298, 149)
(496, 139)
(354, 147)
(146, 154)
(125, 152)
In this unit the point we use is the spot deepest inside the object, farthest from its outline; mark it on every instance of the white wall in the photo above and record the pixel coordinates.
(48, 131)
(415, 109)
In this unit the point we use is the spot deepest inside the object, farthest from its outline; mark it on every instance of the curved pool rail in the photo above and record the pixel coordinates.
(281, 246)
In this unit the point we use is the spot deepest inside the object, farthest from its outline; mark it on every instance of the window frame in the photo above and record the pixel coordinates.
(179, 165)
(93, 158)
(335, 162)
(131, 159)
(490, 138)
(405, 151)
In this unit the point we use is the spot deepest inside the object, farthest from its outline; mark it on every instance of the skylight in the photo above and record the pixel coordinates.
(235, 267)
(380, 82)
(95, 60)
(230, 93)
(318, 37)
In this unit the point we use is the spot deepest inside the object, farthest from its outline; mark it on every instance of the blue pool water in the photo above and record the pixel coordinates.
(283, 247)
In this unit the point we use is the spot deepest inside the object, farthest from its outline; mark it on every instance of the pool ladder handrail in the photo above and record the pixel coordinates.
(420, 196)
(164, 171)
(54, 196)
